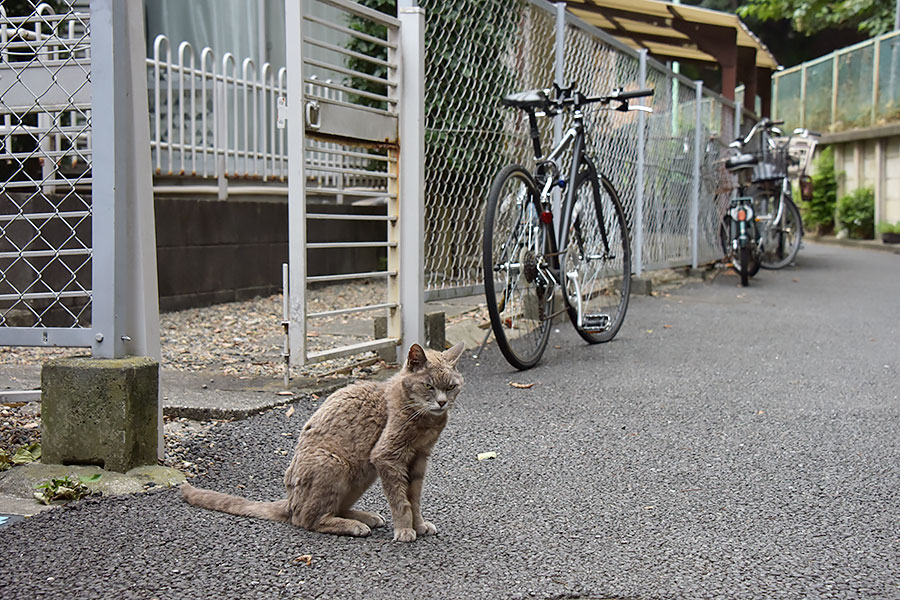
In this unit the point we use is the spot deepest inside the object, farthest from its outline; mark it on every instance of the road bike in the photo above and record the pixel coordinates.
(530, 253)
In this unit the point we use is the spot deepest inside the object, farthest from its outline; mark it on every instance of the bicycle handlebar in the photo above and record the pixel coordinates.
(571, 97)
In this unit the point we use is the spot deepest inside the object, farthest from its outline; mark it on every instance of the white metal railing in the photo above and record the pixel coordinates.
(213, 117)
(210, 118)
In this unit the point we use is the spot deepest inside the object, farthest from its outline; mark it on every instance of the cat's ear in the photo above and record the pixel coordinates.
(416, 358)
(453, 354)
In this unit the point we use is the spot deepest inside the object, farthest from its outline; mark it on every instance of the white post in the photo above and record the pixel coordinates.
(411, 220)
(695, 179)
(296, 179)
(125, 311)
(639, 184)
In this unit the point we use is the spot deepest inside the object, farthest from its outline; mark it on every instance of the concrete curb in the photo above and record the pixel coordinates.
(848, 243)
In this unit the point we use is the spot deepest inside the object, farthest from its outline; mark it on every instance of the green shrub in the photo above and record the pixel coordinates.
(885, 227)
(818, 213)
(856, 213)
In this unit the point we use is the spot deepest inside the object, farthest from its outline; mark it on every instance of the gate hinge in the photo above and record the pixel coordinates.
(282, 112)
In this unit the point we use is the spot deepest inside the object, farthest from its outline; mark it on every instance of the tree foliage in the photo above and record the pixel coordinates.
(812, 16)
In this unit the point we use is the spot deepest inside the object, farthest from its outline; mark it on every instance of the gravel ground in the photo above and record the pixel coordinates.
(748, 450)
(244, 338)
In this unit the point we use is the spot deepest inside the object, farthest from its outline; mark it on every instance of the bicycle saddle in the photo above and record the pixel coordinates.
(742, 161)
(529, 99)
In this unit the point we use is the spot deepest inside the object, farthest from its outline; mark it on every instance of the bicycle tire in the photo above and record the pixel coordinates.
(782, 243)
(516, 240)
(599, 281)
(752, 258)
(743, 265)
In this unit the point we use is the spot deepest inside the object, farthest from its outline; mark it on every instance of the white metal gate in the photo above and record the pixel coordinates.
(355, 86)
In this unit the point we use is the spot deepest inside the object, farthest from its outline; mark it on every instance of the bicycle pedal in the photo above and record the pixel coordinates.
(596, 323)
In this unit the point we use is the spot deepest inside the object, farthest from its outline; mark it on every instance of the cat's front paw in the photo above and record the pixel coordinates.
(404, 535)
(426, 528)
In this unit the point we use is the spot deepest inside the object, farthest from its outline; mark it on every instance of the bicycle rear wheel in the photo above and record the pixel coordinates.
(597, 260)
(517, 286)
(781, 241)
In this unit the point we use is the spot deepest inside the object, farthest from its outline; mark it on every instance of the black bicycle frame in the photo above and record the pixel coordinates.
(579, 158)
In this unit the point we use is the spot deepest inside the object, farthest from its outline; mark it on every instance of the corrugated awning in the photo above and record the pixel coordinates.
(672, 31)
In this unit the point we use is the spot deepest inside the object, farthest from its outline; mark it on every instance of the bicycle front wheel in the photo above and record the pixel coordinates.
(597, 260)
(781, 241)
(517, 283)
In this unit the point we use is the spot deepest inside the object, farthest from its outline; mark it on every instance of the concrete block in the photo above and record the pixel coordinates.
(100, 412)
(641, 286)
(388, 355)
(435, 331)
(435, 334)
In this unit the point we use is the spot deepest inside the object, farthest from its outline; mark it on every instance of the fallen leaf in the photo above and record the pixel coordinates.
(667, 327)
(521, 386)
(289, 413)
(649, 331)
(305, 559)
(487, 455)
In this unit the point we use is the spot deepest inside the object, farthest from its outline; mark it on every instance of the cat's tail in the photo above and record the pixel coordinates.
(235, 505)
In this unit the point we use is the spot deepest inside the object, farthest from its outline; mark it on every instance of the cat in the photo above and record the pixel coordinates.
(362, 432)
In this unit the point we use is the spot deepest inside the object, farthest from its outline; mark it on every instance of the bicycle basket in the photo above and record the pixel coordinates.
(772, 164)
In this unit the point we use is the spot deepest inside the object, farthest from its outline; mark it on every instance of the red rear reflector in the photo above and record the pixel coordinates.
(547, 217)
(742, 215)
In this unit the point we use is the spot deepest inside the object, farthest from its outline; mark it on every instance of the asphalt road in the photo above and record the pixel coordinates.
(730, 443)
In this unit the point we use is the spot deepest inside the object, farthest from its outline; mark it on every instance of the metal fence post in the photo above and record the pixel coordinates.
(125, 300)
(559, 76)
(293, 21)
(125, 313)
(695, 179)
(639, 184)
(411, 220)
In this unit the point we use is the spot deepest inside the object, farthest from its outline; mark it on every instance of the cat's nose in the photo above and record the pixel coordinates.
(442, 400)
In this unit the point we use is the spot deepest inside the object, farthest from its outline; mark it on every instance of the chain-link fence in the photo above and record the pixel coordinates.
(478, 52)
(45, 167)
(858, 86)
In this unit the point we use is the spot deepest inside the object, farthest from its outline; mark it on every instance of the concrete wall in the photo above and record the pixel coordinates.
(211, 251)
(870, 158)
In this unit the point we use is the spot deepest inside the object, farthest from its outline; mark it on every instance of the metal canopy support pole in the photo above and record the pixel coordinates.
(639, 184)
(695, 179)
(560, 75)
(125, 301)
(293, 23)
(411, 220)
